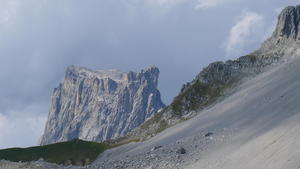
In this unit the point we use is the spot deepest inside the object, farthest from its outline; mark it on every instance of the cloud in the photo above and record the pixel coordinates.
(159, 8)
(199, 4)
(248, 29)
(21, 128)
(163, 2)
(205, 4)
(8, 11)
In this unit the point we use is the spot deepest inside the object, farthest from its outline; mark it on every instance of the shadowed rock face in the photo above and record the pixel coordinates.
(101, 105)
(288, 23)
(285, 40)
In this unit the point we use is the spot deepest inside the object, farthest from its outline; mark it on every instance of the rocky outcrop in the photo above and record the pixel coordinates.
(285, 40)
(288, 24)
(101, 105)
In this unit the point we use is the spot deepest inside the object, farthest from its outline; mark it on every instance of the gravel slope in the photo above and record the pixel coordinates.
(256, 127)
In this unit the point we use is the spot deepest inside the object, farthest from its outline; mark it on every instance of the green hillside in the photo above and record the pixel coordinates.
(75, 152)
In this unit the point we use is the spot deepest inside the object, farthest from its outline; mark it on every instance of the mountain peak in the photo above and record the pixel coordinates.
(288, 23)
(75, 71)
(99, 105)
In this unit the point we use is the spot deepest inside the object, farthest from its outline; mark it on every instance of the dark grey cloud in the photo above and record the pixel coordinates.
(40, 38)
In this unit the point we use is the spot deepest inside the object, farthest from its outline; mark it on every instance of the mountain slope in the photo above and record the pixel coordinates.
(256, 127)
(238, 114)
(249, 127)
(101, 105)
(217, 79)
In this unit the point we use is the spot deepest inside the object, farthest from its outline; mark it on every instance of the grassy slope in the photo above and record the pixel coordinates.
(76, 152)
(200, 95)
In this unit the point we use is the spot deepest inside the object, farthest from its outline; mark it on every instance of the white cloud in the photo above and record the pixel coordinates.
(21, 128)
(162, 7)
(204, 4)
(163, 2)
(8, 11)
(200, 4)
(248, 29)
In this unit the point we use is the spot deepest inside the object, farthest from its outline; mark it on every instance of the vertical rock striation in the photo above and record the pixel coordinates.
(285, 40)
(101, 105)
(288, 23)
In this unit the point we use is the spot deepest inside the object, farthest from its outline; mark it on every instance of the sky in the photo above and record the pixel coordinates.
(40, 38)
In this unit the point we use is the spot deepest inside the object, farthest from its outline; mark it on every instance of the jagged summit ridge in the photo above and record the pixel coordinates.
(114, 74)
(288, 23)
(285, 40)
(101, 105)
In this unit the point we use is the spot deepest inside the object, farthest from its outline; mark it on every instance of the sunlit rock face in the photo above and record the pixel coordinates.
(101, 105)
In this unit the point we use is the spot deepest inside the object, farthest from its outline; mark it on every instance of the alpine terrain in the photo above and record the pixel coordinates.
(238, 114)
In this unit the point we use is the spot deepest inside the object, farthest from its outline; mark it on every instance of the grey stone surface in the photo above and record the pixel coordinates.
(101, 105)
(288, 23)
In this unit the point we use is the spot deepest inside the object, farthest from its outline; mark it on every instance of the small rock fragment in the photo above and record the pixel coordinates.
(155, 148)
(208, 134)
(181, 151)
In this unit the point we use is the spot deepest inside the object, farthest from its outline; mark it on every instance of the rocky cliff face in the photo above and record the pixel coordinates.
(288, 24)
(285, 40)
(218, 77)
(101, 105)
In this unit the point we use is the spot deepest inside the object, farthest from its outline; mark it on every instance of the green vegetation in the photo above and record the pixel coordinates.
(161, 124)
(76, 152)
(121, 141)
(156, 118)
(198, 96)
